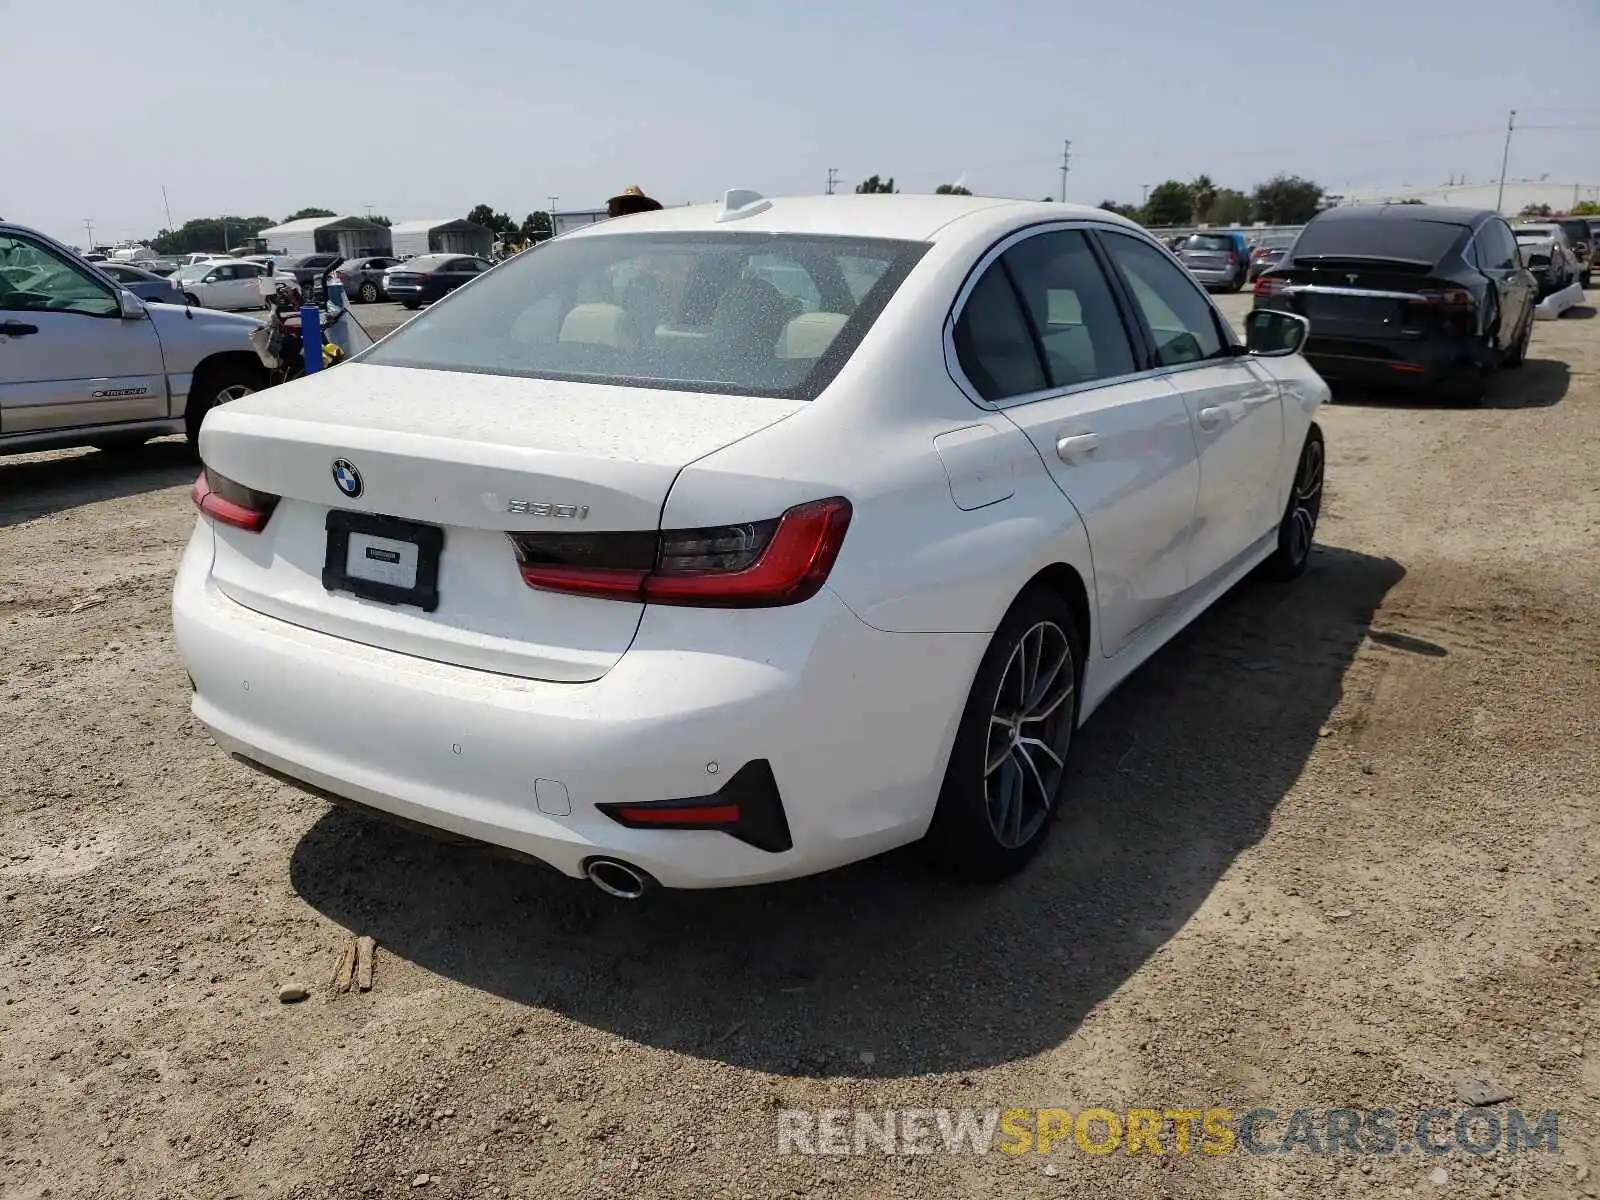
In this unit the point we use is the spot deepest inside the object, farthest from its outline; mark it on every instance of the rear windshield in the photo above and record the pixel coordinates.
(1206, 241)
(741, 313)
(1378, 237)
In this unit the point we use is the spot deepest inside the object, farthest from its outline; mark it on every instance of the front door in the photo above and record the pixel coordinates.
(1233, 403)
(1042, 337)
(68, 357)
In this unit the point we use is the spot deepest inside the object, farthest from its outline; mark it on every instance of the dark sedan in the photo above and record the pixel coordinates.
(430, 277)
(146, 285)
(1407, 294)
(307, 267)
(363, 277)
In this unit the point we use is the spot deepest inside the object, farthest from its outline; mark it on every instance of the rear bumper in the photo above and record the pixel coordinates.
(1426, 364)
(1215, 276)
(855, 724)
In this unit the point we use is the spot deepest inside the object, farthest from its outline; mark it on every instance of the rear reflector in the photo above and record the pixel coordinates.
(221, 499)
(760, 564)
(747, 807)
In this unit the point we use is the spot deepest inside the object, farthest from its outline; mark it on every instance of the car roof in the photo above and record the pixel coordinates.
(918, 218)
(1442, 214)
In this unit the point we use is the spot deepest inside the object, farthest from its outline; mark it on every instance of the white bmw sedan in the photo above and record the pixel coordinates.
(736, 542)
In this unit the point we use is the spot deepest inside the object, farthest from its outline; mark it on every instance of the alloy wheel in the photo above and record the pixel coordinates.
(1306, 503)
(234, 391)
(1030, 728)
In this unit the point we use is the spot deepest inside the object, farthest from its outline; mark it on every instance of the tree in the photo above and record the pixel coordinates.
(208, 234)
(1131, 211)
(309, 212)
(384, 221)
(1287, 200)
(501, 224)
(945, 189)
(1227, 207)
(1202, 194)
(1534, 210)
(1169, 204)
(536, 227)
(872, 185)
(1413, 202)
(1587, 208)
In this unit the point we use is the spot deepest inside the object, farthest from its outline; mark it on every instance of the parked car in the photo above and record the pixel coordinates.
(430, 277)
(141, 283)
(1218, 260)
(624, 559)
(307, 267)
(84, 362)
(223, 283)
(1582, 243)
(163, 267)
(189, 260)
(1407, 295)
(1549, 255)
(363, 277)
(1268, 251)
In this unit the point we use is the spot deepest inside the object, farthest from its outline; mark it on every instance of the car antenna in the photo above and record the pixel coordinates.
(738, 203)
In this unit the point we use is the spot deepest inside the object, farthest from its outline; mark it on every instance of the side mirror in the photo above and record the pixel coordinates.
(130, 306)
(1269, 333)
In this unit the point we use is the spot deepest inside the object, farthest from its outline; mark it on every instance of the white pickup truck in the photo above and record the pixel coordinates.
(83, 362)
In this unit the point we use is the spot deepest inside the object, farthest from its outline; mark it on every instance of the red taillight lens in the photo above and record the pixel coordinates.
(1233, 259)
(221, 499)
(1271, 285)
(761, 564)
(1446, 298)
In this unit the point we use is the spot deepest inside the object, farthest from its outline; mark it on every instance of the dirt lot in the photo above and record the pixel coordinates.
(1336, 847)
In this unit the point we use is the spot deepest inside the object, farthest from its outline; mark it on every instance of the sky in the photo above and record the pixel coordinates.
(426, 109)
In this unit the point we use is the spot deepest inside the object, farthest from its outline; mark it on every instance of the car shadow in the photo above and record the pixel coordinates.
(36, 487)
(1539, 383)
(1177, 774)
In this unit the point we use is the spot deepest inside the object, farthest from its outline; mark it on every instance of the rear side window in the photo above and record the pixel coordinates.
(1071, 308)
(1402, 240)
(719, 312)
(993, 342)
(1497, 249)
(1181, 319)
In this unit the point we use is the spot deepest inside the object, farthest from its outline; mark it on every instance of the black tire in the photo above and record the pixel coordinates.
(1297, 531)
(191, 298)
(215, 385)
(367, 293)
(1585, 278)
(990, 822)
(411, 305)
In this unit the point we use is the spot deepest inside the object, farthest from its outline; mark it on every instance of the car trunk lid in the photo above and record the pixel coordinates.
(1371, 299)
(471, 456)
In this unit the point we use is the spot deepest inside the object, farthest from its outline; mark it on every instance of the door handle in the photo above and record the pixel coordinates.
(1075, 445)
(17, 329)
(1210, 418)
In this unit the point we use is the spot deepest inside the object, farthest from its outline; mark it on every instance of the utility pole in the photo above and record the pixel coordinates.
(89, 225)
(166, 204)
(552, 210)
(833, 178)
(1511, 123)
(1144, 199)
(1066, 160)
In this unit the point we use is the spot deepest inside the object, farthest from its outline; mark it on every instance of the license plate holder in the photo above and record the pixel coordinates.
(383, 558)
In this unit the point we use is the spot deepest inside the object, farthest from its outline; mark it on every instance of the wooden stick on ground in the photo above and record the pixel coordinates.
(364, 948)
(346, 969)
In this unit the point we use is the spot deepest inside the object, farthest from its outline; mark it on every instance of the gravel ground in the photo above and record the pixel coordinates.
(1336, 846)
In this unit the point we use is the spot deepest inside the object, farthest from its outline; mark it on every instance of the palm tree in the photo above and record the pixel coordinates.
(1202, 194)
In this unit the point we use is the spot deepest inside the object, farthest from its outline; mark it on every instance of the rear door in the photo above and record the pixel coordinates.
(1233, 402)
(1042, 337)
(67, 356)
(1495, 248)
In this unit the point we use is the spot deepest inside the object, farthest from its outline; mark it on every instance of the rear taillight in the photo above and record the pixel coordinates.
(1271, 285)
(221, 499)
(760, 564)
(1233, 259)
(1446, 298)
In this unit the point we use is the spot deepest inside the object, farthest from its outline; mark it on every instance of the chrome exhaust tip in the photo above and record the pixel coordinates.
(617, 878)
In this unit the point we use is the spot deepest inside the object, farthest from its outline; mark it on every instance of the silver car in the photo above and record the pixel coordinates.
(1218, 260)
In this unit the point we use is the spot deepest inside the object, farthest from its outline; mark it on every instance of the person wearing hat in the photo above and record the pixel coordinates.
(633, 200)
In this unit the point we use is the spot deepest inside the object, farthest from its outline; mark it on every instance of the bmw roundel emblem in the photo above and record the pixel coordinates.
(347, 477)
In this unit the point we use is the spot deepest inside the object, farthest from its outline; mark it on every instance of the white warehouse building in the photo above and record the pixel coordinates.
(348, 237)
(1519, 194)
(442, 235)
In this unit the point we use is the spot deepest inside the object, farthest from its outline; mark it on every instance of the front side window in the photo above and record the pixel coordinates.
(32, 279)
(1180, 318)
(690, 311)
